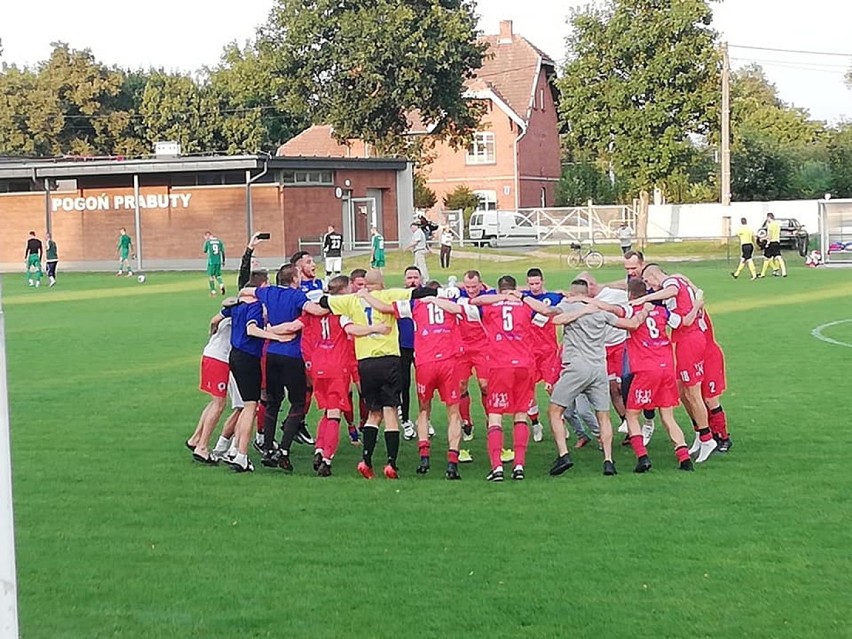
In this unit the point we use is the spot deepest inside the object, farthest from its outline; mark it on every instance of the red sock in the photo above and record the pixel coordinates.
(534, 416)
(349, 415)
(495, 445)
(638, 446)
(320, 439)
(332, 437)
(453, 457)
(682, 453)
(464, 408)
(261, 416)
(520, 441)
(424, 448)
(718, 422)
(705, 435)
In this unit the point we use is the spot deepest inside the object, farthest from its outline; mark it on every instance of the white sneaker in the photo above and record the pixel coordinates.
(431, 431)
(467, 432)
(705, 450)
(695, 445)
(623, 428)
(408, 430)
(647, 431)
(538, 432)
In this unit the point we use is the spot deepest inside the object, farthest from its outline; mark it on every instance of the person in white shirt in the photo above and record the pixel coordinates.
(419, 247)
(446, 246)
(625, 237)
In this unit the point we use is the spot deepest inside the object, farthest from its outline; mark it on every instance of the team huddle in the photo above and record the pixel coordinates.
(637, 346)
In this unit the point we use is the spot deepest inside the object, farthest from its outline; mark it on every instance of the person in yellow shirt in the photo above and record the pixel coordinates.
(746, 236)
(772, 252)
(379, 367)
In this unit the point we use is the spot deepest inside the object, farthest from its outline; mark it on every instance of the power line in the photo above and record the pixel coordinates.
(798, 51)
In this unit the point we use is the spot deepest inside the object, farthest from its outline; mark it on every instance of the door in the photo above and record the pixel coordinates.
(362, 215)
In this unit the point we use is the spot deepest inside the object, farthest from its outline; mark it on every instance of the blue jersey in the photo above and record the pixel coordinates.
(549, 298)
(488, 291)
(283, 304)
(242, 316)
(406, 332)
(312, 288)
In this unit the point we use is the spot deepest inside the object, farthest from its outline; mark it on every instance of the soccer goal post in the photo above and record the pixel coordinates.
(8, 581)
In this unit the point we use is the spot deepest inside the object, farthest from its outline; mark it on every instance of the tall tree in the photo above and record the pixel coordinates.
(840, 160)
(777, 150)
(641, 80)
(363, 66)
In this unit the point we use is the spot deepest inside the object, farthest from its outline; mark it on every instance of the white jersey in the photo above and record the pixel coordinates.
(616, 297)
(219, 345)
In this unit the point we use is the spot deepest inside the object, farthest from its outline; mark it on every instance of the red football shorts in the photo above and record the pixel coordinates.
(510, 390)
(615, 361)
(332, 393)
(689, 358)
(356, 375)
(653, 389)
(471, 360)
(439, 376)
(548, 366)
(214, 377)
(714, 382)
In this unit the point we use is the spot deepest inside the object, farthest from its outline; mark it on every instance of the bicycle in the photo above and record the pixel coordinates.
(591, 258)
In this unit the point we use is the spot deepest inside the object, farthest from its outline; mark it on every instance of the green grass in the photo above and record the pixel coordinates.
(119, 534)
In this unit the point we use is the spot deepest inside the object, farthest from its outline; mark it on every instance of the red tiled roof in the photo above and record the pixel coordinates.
(316, 141)
(510, 69)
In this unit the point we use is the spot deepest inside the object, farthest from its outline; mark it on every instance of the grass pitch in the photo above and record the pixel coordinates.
(119, 534)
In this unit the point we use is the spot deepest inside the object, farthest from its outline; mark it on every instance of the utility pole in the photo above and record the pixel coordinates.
(726, 127)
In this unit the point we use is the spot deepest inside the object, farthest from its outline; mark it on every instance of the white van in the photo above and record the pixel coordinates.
(493, 228)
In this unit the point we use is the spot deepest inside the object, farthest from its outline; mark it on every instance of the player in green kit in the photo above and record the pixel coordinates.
(32, 255)
(377, 259)
(124, 246)
(215, 249)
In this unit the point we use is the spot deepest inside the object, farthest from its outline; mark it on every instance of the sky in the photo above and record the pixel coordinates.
(188, 34)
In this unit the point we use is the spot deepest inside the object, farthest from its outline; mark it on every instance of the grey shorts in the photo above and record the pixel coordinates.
(573, 382)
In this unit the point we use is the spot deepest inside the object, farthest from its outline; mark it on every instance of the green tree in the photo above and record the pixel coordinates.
(363, 66)
(840, 160)
(175, 107)
(424, 197)
(583, 181)
(641, 80)
(795, 164)
(257, 112)
(462, 199)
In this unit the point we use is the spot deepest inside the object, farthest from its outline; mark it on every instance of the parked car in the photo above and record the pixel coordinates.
(492, 228)
(793, 235)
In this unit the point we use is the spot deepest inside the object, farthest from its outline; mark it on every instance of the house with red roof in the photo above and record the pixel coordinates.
(513, 161)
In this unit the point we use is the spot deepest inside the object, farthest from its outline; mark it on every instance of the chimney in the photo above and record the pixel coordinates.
(505, 32)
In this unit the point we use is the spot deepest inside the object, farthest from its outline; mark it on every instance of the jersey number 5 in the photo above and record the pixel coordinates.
(508, 319)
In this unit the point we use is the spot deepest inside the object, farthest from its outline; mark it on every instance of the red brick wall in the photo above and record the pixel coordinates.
(539, 150)
(176, 232)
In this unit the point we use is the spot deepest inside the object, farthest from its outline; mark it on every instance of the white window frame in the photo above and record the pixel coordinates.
(482, 149)
(487, 200)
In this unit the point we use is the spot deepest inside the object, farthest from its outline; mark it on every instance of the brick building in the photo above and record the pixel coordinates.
(166, 204)
(514, 161)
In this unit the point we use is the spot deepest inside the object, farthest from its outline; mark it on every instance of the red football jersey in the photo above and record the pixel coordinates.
(680, 305)
(508, 326)
(326, 346)
(473, 338)
(436, 332)
(648, 346)
(706, 326)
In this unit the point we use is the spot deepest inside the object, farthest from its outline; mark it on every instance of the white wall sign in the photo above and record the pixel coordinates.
(104, 202)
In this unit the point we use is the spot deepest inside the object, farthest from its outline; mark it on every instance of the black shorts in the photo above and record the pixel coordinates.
(773, 249)
(380, 381)
(246, 371)
(748, 251)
